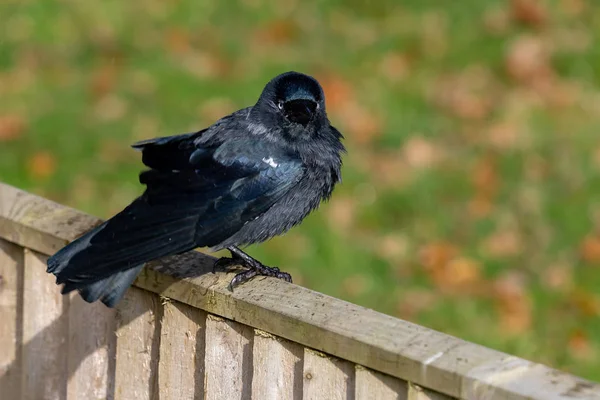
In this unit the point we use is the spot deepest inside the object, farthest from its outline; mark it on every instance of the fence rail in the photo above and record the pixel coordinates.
(180, 333)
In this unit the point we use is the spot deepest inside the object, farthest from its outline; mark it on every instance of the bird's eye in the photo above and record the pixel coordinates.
(280, 105)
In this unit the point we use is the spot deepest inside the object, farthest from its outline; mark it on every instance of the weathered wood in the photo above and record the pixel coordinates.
(372, 385)
(228, 360)
(513, 378)
(45, 332)
(181, 365)
(392, 346)
(416, 392)
(277, 368)
(138, 340)
(327, 377)
(11, 312)
(92, 343)
(377, 341)
(39, 224)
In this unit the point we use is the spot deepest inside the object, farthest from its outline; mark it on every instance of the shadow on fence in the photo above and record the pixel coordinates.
(16, 375)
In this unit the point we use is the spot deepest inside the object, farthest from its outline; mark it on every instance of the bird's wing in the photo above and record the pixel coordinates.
(174, 152)
(213, 194)
(225, 186)
(168, 153)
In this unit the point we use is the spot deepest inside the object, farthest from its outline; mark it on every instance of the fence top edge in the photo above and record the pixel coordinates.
(399, 348)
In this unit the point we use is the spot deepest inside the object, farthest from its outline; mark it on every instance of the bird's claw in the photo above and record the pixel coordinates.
(242, 277)
(257, 269)
(253, 268)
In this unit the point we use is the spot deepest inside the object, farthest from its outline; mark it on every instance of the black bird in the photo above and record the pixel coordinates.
(252, 175)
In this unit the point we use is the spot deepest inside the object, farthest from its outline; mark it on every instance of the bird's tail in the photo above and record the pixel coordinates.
(108, 290)
(105, 261)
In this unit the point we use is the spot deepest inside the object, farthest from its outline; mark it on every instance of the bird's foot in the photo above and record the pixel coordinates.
(254, 268)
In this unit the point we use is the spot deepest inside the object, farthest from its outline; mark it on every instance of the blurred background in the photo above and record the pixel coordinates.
(470, 201)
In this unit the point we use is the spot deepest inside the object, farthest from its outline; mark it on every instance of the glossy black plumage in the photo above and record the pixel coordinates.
(251, 176)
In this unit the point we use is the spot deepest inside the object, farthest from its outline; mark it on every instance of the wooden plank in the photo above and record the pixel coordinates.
(277, 368)
(228, 360)
(513, 378)
(416, 392)
(327, 377)
(138, 339)
(377, 341)
(45, 332)
(39, 224)
(92, 344)
(372, 385)
(181, 365)
(11, 314)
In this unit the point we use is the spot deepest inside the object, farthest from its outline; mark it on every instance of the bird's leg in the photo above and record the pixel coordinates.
(255, 267)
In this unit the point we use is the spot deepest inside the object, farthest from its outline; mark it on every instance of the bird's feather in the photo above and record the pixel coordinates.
(248, 177)
(180, 210)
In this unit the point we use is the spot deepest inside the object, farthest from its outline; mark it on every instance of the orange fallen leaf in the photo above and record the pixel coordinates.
(558, 277)
(387, 168)
(513, 304)
(393, 247)
(529, 12)
(470, 106)
(485, 176)
(11, 127)
(277, 32)
(420, 152)
(394, 67)
(486, 182)
(338, 91)
(450, 272)
(362, 125)
(503, 135)
(469, 95)
(206, 64)
(586, 303)
(436, 255)
(503, 243)
(41, 165)
(103, 80)
(528, 61)
(480, 206)
(414, 301)
(462, 272)
(561, 94)
(177, 40)
(590, 249)
(579, 345)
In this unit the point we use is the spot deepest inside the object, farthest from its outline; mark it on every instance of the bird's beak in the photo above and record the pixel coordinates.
(300, 111)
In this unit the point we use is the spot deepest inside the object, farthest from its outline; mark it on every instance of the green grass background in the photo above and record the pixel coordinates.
(471, 185)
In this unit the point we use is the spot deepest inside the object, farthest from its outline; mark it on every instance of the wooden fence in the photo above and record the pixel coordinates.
(181, 334)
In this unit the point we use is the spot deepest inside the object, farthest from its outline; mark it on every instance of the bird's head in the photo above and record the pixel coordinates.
(296, 101)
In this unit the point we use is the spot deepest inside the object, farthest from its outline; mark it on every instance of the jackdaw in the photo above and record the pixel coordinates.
(252, 175)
